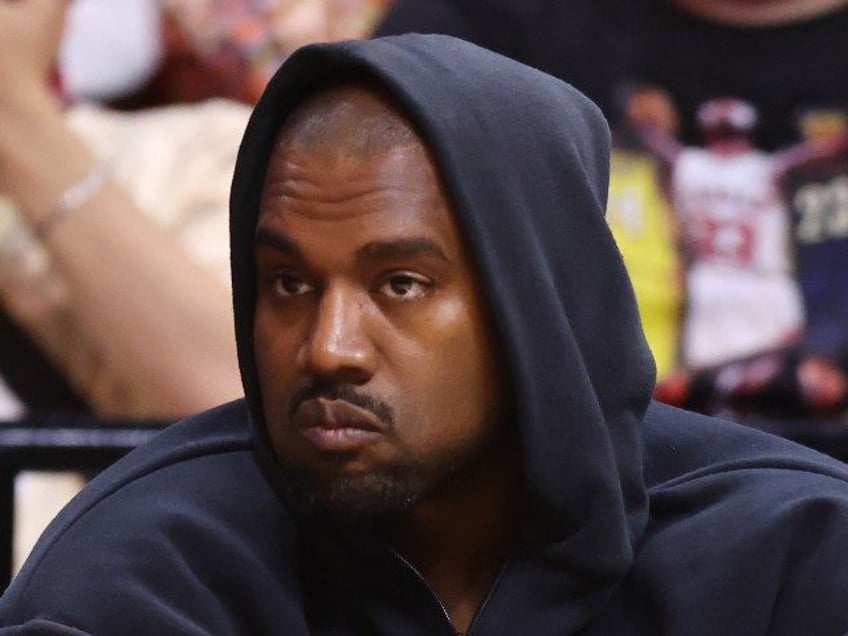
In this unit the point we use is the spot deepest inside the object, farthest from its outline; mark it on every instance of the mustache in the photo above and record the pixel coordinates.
(344, 393)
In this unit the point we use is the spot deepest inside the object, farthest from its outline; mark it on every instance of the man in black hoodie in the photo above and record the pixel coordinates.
(448, 426)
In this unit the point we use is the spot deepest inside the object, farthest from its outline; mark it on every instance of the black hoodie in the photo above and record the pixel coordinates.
(653, 520)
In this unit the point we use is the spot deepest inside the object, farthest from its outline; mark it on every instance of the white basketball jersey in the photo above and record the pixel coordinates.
(742, 297)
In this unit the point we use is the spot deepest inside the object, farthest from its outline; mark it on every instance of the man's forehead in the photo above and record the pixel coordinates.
(358, 126)
(354, 119)
(349, 143)
(327, 208)
(348, 150)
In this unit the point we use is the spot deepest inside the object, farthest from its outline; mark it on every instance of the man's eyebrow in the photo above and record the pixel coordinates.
(393, 248)
(402, 248)
(268, 238)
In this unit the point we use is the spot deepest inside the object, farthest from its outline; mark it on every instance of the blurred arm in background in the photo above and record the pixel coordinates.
(156, 323)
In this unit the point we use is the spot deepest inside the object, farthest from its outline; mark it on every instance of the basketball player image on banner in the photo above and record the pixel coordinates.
(817, 195)
(742, 297)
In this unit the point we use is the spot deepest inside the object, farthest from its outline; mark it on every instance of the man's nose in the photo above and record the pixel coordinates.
(340, 348)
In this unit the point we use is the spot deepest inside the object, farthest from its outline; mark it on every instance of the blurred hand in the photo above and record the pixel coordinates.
(674, 387)
(30, 33)
(823, 385)
(652, 107)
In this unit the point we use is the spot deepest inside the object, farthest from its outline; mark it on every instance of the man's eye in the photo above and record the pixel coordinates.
(405, 286)
(290, 286)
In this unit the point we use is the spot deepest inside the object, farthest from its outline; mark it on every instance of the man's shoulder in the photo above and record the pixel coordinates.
(220, 436)
(710, 477)
(170, 535)
(682, 447)
(760, 518)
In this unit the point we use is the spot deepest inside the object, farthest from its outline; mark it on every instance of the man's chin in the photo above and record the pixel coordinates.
(369, 499)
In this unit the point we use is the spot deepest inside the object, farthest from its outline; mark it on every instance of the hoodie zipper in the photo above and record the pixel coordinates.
(486, 599)
(474, 619)
(411, 568)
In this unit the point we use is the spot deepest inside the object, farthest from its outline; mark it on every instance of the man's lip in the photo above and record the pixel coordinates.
(336, 414)
(336, 426)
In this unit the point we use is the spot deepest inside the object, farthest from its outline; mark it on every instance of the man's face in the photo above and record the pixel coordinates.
(379, 369)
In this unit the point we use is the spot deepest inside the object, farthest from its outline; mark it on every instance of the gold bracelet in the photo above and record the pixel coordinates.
(72, 198)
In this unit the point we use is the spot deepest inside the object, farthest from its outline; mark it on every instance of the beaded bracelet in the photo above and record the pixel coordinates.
(72, 198)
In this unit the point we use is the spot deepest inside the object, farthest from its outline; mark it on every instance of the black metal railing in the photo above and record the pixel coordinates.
(59, 442)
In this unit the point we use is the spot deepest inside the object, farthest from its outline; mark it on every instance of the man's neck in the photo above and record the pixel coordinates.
(459, 540)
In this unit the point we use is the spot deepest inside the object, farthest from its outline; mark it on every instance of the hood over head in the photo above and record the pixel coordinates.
(524, 159)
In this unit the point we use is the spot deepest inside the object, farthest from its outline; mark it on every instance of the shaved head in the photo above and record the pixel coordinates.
(350, 120)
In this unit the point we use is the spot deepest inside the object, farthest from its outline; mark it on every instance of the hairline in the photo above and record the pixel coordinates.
(318, 123)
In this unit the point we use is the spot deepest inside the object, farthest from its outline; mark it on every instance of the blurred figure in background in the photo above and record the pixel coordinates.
(114, 266)
(232, 47)
(113, 248)
(817, 195)
(107, 48)
(93, 275)
(779, 55)
(741, 293)
(146, 192)
(744, 304)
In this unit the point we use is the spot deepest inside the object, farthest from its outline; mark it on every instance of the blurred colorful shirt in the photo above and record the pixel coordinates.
(642, 224)
(242, 42)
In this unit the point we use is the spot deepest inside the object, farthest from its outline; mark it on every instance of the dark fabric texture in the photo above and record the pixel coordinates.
(183, 536)
(782, 70)
(601, 46)
(648, 520)
(584, 42)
